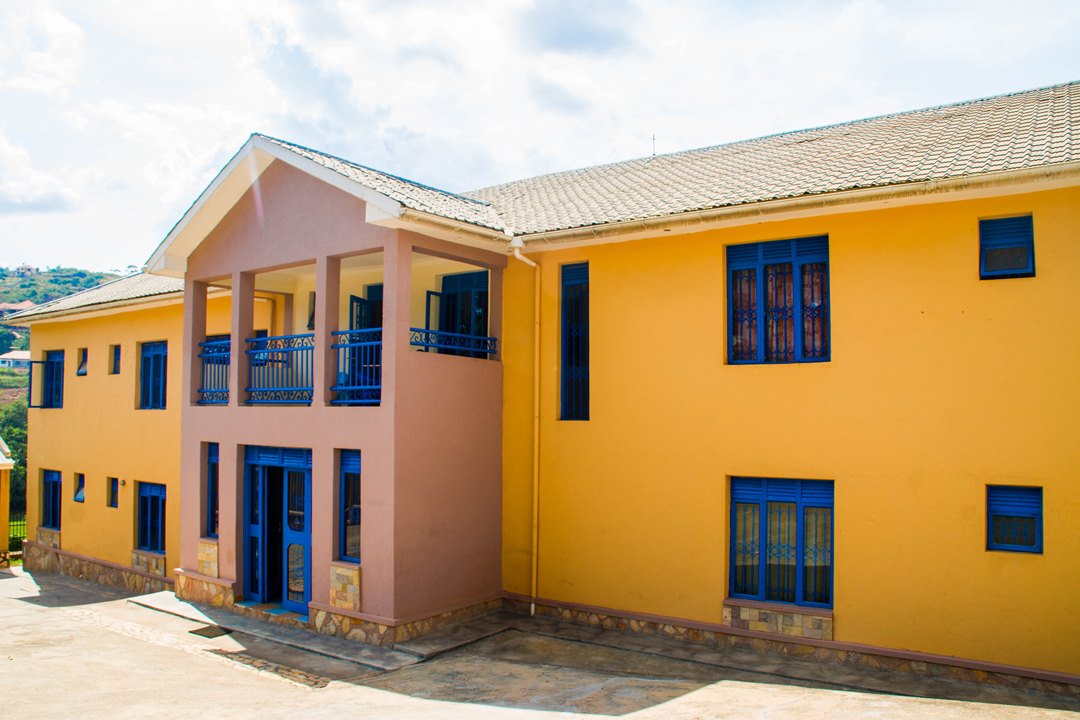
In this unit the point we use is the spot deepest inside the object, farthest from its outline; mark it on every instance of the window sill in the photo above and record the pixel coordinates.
(779, 607)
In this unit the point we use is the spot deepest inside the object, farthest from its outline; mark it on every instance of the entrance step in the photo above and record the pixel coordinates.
(377, 658)
(452, 637)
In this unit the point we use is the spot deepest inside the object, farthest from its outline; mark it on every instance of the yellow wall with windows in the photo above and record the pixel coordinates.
(939, 384)
(101, 433)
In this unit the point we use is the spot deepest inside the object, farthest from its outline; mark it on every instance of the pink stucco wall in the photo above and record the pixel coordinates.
(431, 452)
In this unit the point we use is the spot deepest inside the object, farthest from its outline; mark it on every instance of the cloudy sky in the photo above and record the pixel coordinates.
(115, 115)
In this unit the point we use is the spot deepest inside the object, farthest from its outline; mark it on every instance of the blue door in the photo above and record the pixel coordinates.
(277, 518)
(460, 309)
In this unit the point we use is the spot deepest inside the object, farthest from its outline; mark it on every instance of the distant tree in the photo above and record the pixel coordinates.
(8, 338)
(13, 430)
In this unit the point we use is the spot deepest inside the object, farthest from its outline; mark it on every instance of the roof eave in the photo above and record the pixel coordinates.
(929, 191)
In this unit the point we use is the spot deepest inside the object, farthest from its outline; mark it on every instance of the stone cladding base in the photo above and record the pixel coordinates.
(49, 559)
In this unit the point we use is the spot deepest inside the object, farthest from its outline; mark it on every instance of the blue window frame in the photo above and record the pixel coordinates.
(81, 369)
(350, 505)
(52, 395)
(151, 536)
(1014, 519)
(112, 498)
(778, 300)
(782, 541)
(1007, 248)
(575, 342)
(51, 485)
(80, 488)
(212, 490)
(153, 370)
(114, 359)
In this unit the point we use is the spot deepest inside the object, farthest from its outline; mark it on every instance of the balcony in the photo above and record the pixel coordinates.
(281, 369)
(359, 367)
(214, 360)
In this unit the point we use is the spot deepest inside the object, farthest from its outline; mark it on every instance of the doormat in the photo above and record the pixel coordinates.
(211, 631)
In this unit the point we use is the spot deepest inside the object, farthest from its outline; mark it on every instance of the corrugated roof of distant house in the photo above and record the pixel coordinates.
(132, 287)
(1022, 130)
(16, 355)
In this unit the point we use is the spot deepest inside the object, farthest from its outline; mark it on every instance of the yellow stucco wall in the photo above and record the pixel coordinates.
(101, 433)
(939, 385)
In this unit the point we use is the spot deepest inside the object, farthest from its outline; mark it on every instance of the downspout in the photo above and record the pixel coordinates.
(516, 245)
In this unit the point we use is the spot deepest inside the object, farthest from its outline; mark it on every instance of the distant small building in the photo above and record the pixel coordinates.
(17, 359)
(26, 270)
(9, 308)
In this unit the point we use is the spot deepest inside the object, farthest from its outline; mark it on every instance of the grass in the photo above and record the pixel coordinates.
(13, 378)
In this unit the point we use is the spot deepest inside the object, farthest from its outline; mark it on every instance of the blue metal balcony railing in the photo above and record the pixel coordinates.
(449, 343)
(359, 367)
(281, 369)
(214, 385)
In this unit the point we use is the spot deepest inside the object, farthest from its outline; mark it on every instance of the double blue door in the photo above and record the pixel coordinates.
(277, 519)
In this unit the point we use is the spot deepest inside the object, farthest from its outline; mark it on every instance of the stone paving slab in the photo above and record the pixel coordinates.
(819, 674)
(453, 637)
(371, 656)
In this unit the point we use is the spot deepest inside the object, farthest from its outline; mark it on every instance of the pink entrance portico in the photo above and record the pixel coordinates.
(428, 434)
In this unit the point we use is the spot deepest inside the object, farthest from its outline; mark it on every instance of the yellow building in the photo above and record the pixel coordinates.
(813, 392)
(6, 464)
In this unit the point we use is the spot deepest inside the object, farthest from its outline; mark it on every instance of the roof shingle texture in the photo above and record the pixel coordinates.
(132, 287)
(1009, 132)
(413, 195)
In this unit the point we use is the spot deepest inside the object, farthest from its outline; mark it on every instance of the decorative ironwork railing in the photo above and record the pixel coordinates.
(281, 369)
(452, 343)
(214, 384)
(359, 367)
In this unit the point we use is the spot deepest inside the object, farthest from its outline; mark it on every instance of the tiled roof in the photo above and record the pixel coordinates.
(132, 287)
(1009, 132)
(413, 195)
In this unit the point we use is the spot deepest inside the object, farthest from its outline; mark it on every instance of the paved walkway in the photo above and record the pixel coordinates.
(74, 649)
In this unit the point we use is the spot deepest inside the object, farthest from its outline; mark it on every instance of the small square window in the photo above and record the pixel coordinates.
(81, 369)
(114, 359)
(1014, 518)
(113, 498)
(80, 487)
(1007, 248)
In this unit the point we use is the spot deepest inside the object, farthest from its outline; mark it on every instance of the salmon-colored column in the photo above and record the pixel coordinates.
(243, 317)
(230, 511)
(495, 308)
(327, 291)
(194, 333)
(323, 519)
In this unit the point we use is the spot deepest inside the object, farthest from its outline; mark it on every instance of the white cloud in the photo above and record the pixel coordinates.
(138, 105)
(26, 189)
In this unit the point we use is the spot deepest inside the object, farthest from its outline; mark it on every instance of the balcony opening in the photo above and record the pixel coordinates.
(357, 340)
(450, 308)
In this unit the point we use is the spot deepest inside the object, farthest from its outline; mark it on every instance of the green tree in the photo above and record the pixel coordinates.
(13, 430)
(7, 340)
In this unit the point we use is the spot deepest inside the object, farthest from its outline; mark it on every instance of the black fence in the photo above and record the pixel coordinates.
(16, 531)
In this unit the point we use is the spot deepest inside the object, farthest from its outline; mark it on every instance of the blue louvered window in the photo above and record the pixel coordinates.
(114, 359)
(778, 301)
(153, 370)
(1014, 518)
(151, 535)
(575, 342)
(782, 541)
(1007, 248)
(80, 488)
(212, 490)
(52, 385)
(113, 498)
(50, 499)
(350, 505)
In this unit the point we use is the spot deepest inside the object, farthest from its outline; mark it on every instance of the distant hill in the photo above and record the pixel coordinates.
(23, 283)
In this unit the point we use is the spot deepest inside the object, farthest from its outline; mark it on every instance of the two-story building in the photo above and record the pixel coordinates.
(812, 392)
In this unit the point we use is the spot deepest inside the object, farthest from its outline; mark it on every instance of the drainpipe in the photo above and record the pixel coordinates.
(516, 245)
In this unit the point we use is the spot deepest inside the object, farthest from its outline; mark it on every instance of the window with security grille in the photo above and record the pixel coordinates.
(575, 342)
(50, 499)
(153, 368)
(151, 529)
(778, 301)
(350, 505)
(782, 541)
(1014, 518)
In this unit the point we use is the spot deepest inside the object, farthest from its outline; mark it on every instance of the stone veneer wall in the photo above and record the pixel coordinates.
(37, 556)
(195, 590)
(150, 563)
(208, 557)
(345, 586)
(48, 538)
(778, 645)
(778, 621)
(328, 622)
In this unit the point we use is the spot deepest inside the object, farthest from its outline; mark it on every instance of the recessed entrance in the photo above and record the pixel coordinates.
(277, 521)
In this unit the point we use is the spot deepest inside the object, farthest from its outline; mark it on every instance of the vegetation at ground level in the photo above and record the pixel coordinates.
(13, 378)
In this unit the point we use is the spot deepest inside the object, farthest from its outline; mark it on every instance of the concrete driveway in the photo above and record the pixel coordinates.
(74, 649)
